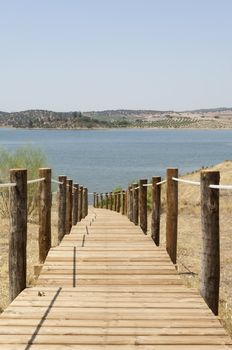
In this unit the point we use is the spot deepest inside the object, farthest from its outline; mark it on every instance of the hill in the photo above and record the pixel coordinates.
(49, 119)
(201, 118)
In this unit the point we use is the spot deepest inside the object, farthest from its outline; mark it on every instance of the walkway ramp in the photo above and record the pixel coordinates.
(107, 286)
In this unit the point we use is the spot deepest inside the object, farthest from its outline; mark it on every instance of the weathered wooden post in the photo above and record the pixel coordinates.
(118, 201)
(210, 271)
(97, 200)
(18, 232)
(101, 200)
(123, 202)
(86, 201)
(107, 200)
(135, 194)
(94, 199)
(111, 201)
(172, 213)
(80, 212)
(129, 203)
(69, 206)
(115, 201)
(45, 205)
(75, 203)
(83, 203)
(143, 204)
(62, 207)
(155, 204)
(126, 195)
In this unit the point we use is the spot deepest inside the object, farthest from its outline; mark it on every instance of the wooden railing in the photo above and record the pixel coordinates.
(133, 203)
(72, 208)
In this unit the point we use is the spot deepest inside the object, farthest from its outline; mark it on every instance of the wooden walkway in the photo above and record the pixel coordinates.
(107, 286)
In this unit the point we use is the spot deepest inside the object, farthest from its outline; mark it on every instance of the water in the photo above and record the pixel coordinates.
(104, 159)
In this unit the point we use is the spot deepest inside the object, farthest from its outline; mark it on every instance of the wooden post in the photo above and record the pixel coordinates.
(75, 203)
(135, 194)
(210, 272)
(123, 202)
(18, 232)
(101, 200)
(80, 212)
(107, 200)
(115, 201)
(83, 204)
(62, 207)
(172, 213)
(155, 204)
(86, 201)
(111, 201)
(69, 206)
(97, 201)
(130, 204)
(118, 201)
(143, 205)
(94, 199)
(45, 205)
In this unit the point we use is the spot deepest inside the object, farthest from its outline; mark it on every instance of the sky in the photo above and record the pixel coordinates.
(67, 55)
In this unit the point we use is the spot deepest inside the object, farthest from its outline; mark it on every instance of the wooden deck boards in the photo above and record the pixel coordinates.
(107, 286)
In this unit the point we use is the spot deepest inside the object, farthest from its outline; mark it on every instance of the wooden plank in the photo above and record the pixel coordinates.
(118, 347)
(128, 295)
(116, 331)
(115, 340)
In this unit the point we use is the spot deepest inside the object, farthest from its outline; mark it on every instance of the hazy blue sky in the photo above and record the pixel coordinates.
(107, 54)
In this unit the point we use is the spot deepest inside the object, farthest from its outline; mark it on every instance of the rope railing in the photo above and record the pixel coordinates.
(195, 183)
(161, 183)
(41, 179)
(7, 185)
(190, 182)
(136, 188)
(56, 182)
(221, 187)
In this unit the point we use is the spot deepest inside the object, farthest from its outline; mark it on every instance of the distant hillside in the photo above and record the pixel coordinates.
(121, 114)
(49, 119)
(201, 118)
(212, 110)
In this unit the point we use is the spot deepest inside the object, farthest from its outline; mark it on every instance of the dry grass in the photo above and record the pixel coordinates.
(32, 256)
(189, 236)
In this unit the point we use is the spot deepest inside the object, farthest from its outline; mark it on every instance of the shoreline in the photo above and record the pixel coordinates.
(108, 129)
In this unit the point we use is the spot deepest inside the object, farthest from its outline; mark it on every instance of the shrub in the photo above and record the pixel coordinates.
(27, 158)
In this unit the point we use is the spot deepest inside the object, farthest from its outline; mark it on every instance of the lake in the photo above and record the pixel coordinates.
(104, 159)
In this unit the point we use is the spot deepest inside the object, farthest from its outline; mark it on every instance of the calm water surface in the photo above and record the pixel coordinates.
(103, 159)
